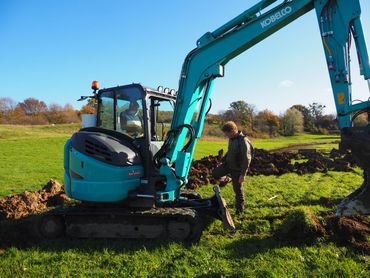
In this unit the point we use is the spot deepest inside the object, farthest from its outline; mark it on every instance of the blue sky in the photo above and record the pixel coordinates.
(52, 50)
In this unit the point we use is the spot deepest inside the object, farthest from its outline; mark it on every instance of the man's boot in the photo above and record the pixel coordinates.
(224, 181)
(239, 205)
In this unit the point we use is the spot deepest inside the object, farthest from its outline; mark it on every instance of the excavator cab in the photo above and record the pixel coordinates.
(141, 113)
(131, 122)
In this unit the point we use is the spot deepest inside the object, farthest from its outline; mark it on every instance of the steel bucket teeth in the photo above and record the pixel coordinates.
(223, 212)
(357, 203)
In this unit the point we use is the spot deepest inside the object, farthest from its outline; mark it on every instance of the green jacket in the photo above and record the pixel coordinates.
(239, 154)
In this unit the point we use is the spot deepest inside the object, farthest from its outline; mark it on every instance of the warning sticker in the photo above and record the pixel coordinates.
(341, 98)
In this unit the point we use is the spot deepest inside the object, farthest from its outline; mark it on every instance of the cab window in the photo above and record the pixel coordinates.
(130, 117)
(121, 109)
(163, 114)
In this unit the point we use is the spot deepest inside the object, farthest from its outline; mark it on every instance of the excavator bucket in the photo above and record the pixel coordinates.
(358, 141)
(223, 212)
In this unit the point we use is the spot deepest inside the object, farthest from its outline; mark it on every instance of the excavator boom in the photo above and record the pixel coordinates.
(339, 22)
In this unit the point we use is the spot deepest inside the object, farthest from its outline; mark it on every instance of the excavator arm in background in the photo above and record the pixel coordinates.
(339, 22)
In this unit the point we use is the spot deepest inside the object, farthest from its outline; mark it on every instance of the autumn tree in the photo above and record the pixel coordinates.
(240, 112)
(328, 122)
(309, 122)
(55, 114)
(17, 116)
(90, 107)
(33, 106)
(71, 115)
(292, 122)
(267, 122)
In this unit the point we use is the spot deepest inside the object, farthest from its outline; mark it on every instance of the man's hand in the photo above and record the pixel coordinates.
(241, 178)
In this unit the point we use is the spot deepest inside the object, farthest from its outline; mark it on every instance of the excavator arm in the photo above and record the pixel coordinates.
(339, 22)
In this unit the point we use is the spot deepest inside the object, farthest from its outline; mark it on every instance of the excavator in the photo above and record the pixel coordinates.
(129, 169)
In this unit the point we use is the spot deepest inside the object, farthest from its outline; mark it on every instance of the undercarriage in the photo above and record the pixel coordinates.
(183, 221)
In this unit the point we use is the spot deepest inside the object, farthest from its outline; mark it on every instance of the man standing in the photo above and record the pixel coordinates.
(236, 161)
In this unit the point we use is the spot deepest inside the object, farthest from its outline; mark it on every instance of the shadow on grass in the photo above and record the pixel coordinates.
(252, 246)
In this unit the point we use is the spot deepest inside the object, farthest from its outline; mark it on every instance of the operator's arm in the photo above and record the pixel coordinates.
(246, 157)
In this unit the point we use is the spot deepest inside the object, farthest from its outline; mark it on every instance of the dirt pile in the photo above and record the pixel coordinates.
(354, 231)
(303, 226)
(275, 163)
(201, 170)
(300, 224)
(21, 205)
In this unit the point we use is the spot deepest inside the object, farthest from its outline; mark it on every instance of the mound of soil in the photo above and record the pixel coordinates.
(354, 231)
(21, 205)
(303, 226)
(274, 163)
(300, 225)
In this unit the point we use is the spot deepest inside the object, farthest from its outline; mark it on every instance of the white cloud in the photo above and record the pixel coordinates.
(286, 84)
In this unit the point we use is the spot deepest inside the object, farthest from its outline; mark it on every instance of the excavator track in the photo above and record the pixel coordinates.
(176, 224)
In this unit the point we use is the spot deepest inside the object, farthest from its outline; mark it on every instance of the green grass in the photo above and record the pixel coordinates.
(31, 157)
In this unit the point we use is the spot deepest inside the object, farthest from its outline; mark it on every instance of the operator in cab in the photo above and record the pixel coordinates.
(236, 162)
(131, 122)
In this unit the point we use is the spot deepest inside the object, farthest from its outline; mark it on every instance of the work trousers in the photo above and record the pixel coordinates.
(221, 171)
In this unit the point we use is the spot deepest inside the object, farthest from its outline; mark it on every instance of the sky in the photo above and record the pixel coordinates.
(52, 50)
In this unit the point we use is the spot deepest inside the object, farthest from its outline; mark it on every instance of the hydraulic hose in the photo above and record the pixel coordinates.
(210, 106)
(168, 142)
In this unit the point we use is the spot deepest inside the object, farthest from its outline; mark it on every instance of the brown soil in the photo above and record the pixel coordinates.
(295, 147)
(348, 231)
(354, 231)
(274, 163)
(21, 205)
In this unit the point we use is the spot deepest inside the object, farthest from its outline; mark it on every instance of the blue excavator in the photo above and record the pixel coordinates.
(129, 169)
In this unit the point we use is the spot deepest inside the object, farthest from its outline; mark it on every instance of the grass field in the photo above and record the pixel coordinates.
(33, 155)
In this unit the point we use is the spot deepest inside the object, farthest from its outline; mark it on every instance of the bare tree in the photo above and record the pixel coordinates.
(6, 105)
(33, 106)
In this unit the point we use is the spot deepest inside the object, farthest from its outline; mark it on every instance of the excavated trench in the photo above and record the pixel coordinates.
(16, 211)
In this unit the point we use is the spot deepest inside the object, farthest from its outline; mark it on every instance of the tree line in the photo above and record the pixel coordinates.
(32, 111)
(296, 119)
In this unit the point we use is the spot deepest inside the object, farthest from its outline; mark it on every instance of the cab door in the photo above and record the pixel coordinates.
(161, 117)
